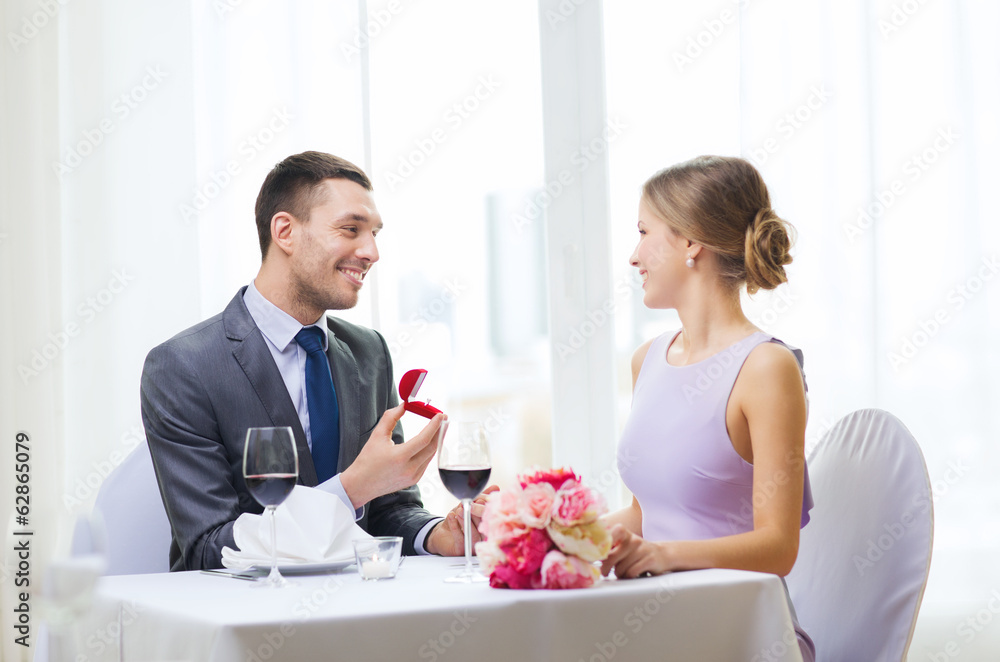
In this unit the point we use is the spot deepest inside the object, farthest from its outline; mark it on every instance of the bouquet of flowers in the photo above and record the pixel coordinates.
(544, 534)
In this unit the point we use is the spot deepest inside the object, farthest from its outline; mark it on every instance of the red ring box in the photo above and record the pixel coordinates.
(408, 387)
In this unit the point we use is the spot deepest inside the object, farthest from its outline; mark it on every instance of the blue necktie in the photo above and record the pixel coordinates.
(324, 415)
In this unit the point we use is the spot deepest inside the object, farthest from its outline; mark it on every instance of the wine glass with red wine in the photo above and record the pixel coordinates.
(271, 469)
(464, 465)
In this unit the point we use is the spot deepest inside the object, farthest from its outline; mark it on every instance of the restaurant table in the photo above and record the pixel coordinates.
(703, 616)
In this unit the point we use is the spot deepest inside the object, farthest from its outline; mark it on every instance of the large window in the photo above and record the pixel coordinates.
(874, 124)
(868, 122)
(456, 156)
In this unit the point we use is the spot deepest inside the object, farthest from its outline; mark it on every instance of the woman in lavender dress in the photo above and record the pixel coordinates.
(716, 433)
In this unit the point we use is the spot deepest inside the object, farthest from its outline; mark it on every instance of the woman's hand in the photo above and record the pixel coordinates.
(632, 555)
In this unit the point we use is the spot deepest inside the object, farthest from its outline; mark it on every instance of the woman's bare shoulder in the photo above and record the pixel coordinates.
(638, 357)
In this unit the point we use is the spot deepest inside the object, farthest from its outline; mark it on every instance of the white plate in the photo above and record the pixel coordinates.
(306, 568)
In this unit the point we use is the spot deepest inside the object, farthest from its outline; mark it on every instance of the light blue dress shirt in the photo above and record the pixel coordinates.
(279, 330)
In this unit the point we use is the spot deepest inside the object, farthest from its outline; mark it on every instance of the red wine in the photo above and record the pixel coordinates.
(271, 489)
(465, 482)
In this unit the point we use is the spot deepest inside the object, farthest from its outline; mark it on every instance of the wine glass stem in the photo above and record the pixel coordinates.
(467, 509)
(274, 541)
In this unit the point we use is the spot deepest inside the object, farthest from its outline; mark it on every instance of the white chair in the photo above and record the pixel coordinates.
(866, 552)
(138, 531)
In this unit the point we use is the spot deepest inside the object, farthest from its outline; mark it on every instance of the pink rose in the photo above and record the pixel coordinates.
(534, 505)
(544, 534)
(554, 477)
(525, 554)
(561, 571)
(577, 504)
(490, 555)
(504, 576)
(501, 522)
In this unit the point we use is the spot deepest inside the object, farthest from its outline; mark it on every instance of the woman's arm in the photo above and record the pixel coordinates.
(637, 358)
(630, 517)
(770, 397)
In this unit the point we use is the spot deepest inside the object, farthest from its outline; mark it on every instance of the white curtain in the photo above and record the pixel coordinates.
(874, 123)
(135, 139)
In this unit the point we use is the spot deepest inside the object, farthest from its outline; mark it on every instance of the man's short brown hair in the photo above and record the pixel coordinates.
(292, 187)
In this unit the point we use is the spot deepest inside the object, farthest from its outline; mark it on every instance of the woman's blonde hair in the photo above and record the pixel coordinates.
(722, 203)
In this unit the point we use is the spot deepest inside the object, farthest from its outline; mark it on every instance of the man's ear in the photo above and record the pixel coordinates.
(281, 231)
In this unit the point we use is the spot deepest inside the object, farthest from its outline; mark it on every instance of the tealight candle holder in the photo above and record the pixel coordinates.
(378, 558)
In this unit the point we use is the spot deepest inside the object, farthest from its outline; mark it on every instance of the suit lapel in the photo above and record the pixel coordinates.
(251, 352)
(347, 384)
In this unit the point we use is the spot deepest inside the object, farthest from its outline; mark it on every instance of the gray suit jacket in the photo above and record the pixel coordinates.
(204, 387)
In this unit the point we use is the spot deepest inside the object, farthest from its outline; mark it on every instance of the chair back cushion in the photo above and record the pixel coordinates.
(864, 556)
(137, 527)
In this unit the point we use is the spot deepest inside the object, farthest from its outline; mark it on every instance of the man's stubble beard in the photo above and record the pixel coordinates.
(309, 297)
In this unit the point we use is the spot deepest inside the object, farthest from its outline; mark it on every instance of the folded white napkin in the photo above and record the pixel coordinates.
(312, 526)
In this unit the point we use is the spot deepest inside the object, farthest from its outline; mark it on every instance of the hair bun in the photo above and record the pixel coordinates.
(767, 251)
(722, 203)
(764, 213)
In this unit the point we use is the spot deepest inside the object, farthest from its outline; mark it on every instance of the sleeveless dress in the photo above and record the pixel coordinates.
(677, 459)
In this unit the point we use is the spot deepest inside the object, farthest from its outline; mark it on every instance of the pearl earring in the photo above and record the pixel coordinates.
(690, 262)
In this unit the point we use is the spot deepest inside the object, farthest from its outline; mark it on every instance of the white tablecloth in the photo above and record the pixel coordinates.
(702, 616)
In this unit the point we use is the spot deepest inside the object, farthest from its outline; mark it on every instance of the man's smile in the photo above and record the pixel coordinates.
(355, 275)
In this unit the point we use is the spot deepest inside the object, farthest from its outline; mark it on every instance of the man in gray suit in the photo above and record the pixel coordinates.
(202, 389)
